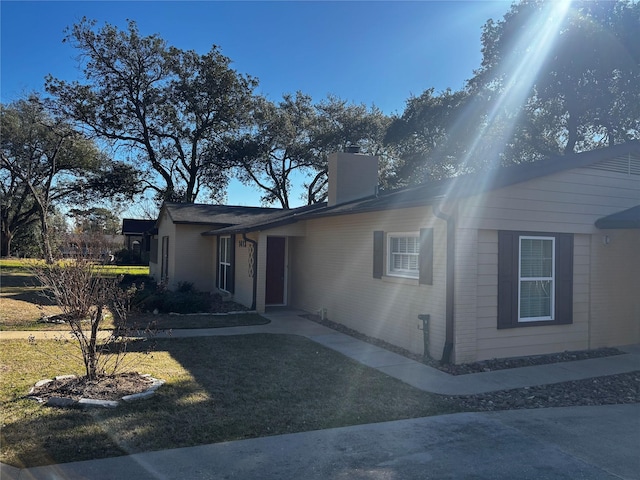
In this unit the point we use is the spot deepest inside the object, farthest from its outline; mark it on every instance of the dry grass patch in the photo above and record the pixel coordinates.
(22, 303)
(218, 389)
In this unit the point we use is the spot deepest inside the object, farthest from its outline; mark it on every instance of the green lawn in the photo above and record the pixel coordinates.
(218, 389)
(21, 301)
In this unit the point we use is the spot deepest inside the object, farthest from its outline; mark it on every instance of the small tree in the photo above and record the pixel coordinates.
(84, 295)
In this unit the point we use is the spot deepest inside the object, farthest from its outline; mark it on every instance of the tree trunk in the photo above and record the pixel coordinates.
(92, 353)
(5, 244)
(572, 134)
(44, 234)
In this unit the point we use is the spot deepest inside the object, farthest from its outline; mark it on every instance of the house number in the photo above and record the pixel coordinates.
(242, 243)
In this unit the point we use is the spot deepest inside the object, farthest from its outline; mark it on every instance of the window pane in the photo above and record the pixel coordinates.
(225, 256)
(403, 255)
(536, 257)
(535, 298)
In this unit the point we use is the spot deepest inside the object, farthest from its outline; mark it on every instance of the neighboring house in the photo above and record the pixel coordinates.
(522, 260)
(137, 237)
(180, 254)
(95, 245)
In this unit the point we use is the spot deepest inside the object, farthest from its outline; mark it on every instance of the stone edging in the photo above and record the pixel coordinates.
(90, 402)
(220, 314)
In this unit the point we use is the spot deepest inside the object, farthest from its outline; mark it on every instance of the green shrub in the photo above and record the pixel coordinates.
(186, 287)
(186, 299)
(189, 302)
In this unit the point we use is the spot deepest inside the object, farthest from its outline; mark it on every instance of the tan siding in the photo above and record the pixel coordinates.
(566, 202)
(494, 343)
(466, 295)
(615, 294)
(166, 228)
(604, 312)
(331, 269)
(194, 257)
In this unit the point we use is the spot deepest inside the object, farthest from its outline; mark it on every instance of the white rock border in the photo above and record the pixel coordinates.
(66, 402)
(220, 314)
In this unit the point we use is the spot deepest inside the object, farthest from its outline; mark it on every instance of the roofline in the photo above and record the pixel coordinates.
(289, 217)
(456, 187)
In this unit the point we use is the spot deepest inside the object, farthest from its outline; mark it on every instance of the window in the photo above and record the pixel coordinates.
(402, 254)
(535, 279)
(225, 263)
(408, 255)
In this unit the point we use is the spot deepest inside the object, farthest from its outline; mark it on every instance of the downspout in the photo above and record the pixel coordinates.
(255, 266)
(450, 284)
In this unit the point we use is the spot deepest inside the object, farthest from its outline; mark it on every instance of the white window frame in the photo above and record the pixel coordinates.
(399, 272)
(551, 279)
(224, 257)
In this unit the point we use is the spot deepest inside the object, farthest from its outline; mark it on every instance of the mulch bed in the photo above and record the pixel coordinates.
(476, 367)
(107, 387)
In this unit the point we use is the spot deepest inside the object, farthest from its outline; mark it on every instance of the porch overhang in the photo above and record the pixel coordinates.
(625, 219)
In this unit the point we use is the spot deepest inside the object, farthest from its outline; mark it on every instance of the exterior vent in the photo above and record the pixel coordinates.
(626, 164)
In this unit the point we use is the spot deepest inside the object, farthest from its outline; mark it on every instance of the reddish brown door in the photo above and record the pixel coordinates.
(274, 294)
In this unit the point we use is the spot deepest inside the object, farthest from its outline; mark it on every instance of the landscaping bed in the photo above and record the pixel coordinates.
(475, 367)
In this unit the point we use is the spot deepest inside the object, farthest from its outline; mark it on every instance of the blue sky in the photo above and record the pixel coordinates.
(376, 53)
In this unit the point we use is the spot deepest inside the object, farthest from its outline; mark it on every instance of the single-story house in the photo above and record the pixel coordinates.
(528, 259)
(181, 254)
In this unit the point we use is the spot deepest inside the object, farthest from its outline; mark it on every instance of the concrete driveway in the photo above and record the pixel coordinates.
(559, 443)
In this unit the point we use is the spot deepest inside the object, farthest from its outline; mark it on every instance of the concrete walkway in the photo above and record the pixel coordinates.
(556, 443)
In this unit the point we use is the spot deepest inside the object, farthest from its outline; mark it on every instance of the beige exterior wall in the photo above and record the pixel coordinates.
(477, 335)
(615, 292)
(191, 255)
(567, 202)
(166, 228)
(331, 270)
(603, 278)
(193, 258)
(154, 267)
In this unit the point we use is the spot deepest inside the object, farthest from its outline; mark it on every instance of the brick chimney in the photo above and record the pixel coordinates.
(352, 176)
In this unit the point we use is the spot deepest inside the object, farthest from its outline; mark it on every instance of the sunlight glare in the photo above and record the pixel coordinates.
(520, 70)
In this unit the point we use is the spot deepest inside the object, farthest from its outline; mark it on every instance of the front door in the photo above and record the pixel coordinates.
(274, 293)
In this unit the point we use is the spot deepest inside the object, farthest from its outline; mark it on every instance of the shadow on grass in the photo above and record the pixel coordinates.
(23, 287)
(220, 389)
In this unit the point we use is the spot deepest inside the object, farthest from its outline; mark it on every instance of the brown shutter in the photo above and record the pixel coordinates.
(378, 253)
(425, 259)
(564, 279)
(507, 279)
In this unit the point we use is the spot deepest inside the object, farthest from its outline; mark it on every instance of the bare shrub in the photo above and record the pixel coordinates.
(85, 295)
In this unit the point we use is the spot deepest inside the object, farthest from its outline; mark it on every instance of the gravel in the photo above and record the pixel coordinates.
(607, 390)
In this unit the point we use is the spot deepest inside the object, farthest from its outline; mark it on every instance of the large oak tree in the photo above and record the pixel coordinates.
(586, 92)
(550, 82)
(40, 161)
(289, 142)
(166, 107)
